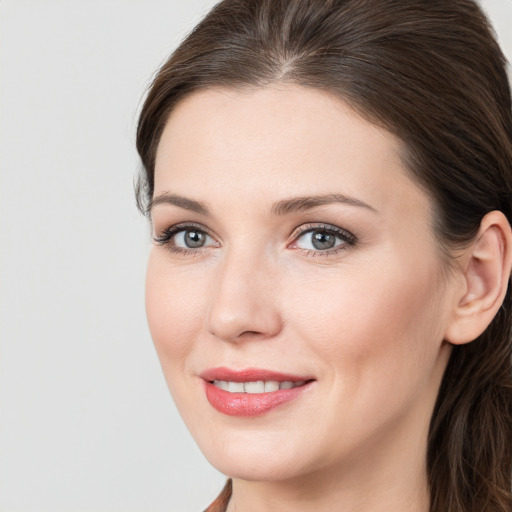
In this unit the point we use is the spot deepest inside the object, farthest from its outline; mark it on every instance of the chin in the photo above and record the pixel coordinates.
(256, 470)
(266, 458)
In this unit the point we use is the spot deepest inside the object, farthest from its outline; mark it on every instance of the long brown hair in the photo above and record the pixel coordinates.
(431, 72)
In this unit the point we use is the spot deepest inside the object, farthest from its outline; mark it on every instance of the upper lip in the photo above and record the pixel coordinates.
(250, 375)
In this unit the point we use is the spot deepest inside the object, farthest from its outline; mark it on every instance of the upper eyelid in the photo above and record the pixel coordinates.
(165, 239)
(183, 226)
(305, 228)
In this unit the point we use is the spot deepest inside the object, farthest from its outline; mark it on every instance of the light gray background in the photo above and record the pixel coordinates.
(86, 421)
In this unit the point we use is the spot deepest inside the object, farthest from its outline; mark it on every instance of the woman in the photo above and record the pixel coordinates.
(329, 188)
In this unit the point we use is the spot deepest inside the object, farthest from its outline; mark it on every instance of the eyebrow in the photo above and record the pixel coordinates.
(182, 202)
(283, 207)
(300, 204)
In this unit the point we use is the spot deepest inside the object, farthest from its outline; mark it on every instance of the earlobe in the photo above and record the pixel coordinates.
(486, 276)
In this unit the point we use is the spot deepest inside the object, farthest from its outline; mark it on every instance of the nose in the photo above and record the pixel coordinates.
(243, 302)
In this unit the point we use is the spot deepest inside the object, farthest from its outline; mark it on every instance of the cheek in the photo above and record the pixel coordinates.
(173, 309)
(376, 338)
(370, 323)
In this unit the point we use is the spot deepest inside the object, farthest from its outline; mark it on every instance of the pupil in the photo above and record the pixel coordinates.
(323, 240)
(194, 239)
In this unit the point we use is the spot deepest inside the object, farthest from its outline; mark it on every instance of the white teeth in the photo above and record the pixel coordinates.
(221, 384)
(271, 385)
(256, 387)
(236, 387)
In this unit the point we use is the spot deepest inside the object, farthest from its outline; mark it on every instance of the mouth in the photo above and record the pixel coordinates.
(251, 392)
(256, 387)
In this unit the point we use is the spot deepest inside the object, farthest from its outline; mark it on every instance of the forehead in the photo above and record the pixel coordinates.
(278, 141)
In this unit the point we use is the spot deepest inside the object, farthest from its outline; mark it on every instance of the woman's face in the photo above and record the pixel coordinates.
(293, 251)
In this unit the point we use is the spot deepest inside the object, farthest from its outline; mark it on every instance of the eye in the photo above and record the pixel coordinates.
(323, 238)
(191, 239)
(185, 238)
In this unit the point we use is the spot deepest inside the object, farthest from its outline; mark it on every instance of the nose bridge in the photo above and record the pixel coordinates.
(244, 299)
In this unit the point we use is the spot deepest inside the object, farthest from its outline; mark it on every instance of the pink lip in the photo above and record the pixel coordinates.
(249, 375)
(248, 404)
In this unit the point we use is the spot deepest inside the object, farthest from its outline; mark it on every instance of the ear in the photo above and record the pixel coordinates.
(486, 274)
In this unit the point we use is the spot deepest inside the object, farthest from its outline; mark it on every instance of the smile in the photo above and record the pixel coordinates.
(256, 387)
(251, 392)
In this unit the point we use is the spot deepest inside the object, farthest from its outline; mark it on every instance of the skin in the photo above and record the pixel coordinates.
(367, 320)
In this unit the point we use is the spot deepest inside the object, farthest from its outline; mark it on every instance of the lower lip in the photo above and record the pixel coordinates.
(250, 404)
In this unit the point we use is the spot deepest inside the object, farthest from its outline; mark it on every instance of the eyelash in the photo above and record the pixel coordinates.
(348, 239)
(165, 238)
